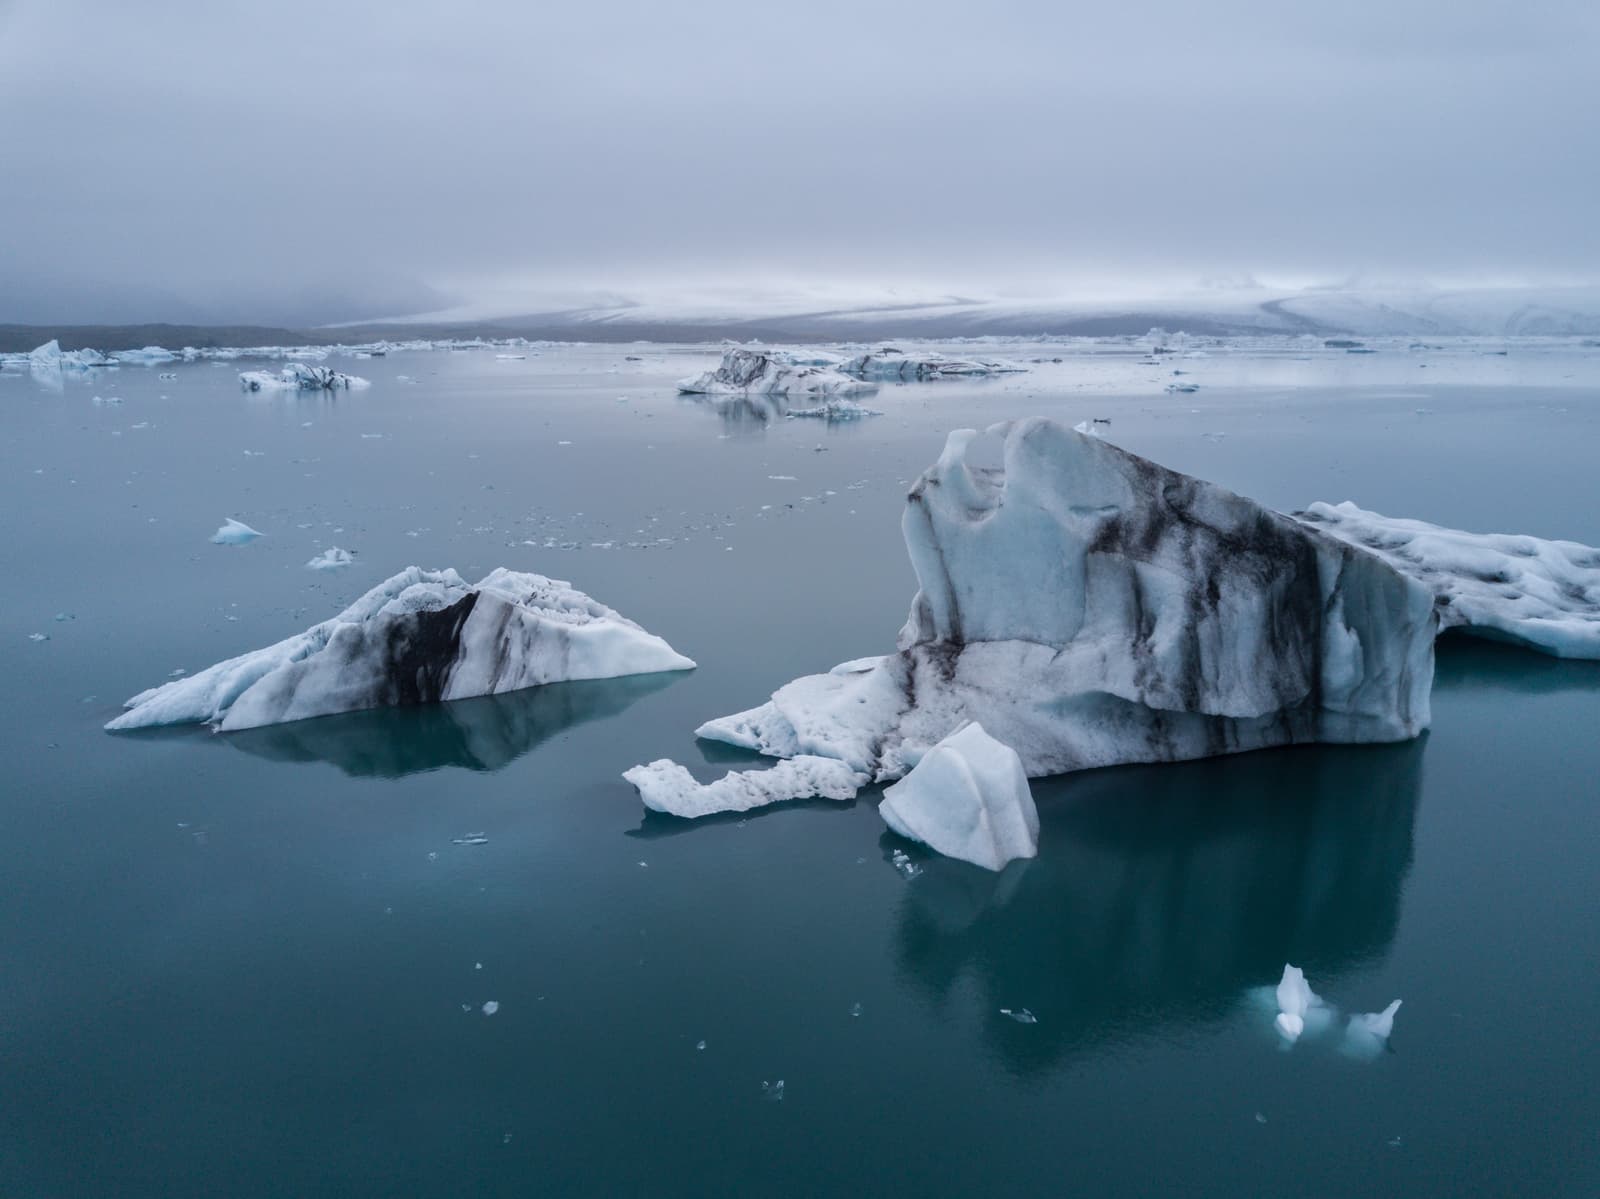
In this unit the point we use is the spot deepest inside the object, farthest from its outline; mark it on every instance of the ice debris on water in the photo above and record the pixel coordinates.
(471, 839)
(38, 636)
(1367, 1034)
(491, 1007)
(903, 863)
(1021, 1015)
(773, 1090)
(235, 532)
(1295, 1000)
(332, 558)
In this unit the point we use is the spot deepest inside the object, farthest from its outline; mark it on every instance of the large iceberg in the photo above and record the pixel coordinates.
(1093, 609)
(297, 376)
(968, 798)
(1541, 594)
(771, 372)
(890, 363)
(418, 637)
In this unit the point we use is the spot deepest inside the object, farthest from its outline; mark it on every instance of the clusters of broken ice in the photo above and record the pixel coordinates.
(1541, 594)
(50, 357)
(664, 786)
(297, 376)
(1301, 1011)
(967, 798)
(834, 410)
(418, 637)
(889, 363)
(1093, 608)
(771, 372)
(332, 558)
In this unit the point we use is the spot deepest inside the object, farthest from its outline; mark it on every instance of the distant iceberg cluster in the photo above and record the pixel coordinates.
(297, 376)
(892, 364)
(772, 372)
(418, 637)
(751, 371)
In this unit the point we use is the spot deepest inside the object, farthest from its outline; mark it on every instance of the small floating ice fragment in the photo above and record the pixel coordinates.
(332, 558)
(1021, 1015)
(491, 1007)
(234, 532)
(1367, 1034)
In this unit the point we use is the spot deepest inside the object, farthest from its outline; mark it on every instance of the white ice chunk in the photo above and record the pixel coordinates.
(332, 558)
(1544, 595)
(968, 798)
(1367, 1034)
(1296, 1002)
(421, 636)
(664, 786)
(234, 532)
(771, 372)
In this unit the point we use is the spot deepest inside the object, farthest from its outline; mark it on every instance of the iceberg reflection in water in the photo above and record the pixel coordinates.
(1168, 891)
(486, 733)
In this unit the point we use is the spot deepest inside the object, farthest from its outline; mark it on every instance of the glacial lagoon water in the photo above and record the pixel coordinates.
(257, 965)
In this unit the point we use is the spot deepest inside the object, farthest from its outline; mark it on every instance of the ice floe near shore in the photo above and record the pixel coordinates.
(887, 364)
(1093, 608)
(418, 637)
(297, 376)
(1544, 595)
(664, 786)
(772, 372)
(968, 798)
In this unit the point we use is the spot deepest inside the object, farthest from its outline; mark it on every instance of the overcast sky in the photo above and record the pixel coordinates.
(319, 159)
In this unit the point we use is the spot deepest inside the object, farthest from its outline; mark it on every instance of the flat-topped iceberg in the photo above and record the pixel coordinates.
(968, 798)
(667, 787)
(297, 376)
(1544, 595)
(897, 364)
(771, 372)
(419, 637)
(1093, 609)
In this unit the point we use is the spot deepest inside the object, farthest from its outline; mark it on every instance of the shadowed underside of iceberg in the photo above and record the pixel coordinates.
(1092, 609)
(418, 637)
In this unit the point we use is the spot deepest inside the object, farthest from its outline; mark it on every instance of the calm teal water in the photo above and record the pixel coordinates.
(255, 965)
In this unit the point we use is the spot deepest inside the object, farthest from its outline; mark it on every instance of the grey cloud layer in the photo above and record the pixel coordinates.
(273, 160)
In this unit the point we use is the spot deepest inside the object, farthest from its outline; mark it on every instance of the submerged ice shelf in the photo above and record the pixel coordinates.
(420, 636)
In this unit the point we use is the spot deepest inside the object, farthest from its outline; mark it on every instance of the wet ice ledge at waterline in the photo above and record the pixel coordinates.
(418, 637)
(1095, 609)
